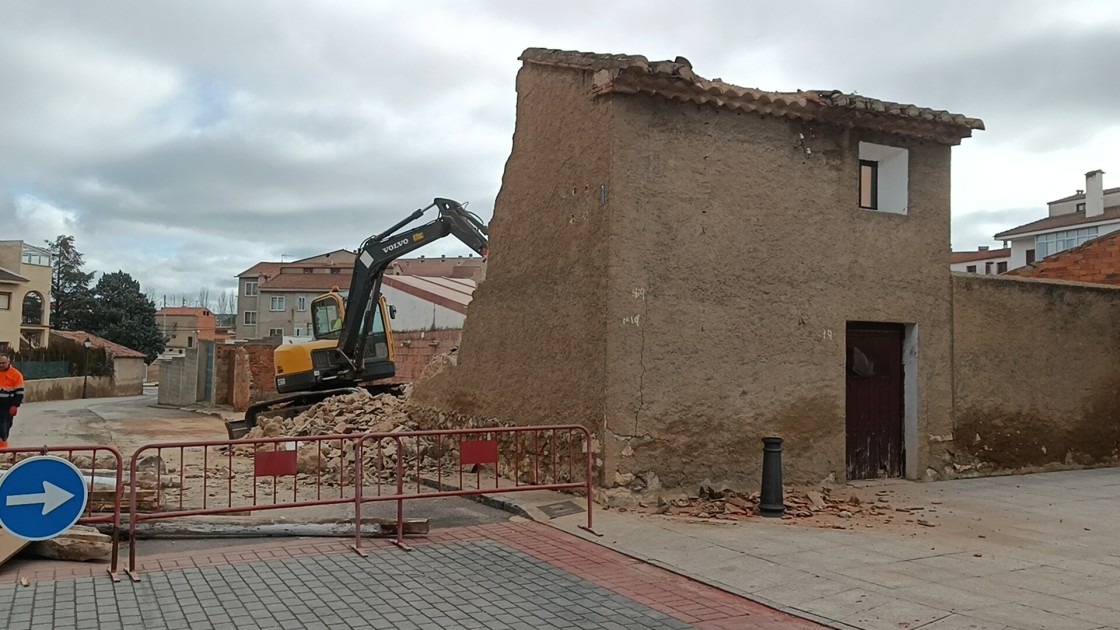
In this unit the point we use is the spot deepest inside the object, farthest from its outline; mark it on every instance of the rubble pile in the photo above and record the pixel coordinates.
(821, 505)
(359, 412)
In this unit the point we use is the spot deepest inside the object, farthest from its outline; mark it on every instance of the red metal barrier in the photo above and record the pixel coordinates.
(80, 453)
(372, 467)
(430, 464)
(244, 461)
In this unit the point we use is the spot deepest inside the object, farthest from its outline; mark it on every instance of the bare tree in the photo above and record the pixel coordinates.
(204, 298)
(223, 303)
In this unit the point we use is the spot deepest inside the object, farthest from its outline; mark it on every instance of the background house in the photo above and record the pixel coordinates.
(25, 292)
(1073, 220)
(185, 326)
(983, 261)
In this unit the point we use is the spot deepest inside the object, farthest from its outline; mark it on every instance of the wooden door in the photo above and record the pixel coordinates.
(874, 400)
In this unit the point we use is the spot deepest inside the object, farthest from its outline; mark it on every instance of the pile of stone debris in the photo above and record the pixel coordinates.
(359, 412)
(822, 505)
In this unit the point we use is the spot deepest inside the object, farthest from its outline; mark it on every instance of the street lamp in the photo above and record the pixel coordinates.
(85, 379)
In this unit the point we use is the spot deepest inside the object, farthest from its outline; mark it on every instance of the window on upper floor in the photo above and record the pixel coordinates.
(250, 288)
(276, 303)
(301, 303)
(884, 178)
(1054, 242)
(5, 301)
(250, 318)
(1081, 207)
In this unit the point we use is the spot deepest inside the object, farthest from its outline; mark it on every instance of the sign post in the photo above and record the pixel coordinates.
(42, 497)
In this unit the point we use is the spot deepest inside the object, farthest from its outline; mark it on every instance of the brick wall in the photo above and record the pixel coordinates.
(1095, 261)
(244, 367)
(416, 349)
(243, 373)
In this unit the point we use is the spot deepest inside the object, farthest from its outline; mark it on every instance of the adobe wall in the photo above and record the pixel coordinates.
(68, 388)
(738, 255)
(534, 344)
(1037, 374)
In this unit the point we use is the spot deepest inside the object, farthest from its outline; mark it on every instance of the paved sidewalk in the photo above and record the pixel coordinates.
(494, 576)
(1016, 552)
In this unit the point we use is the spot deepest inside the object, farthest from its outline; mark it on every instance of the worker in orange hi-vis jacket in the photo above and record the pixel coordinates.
(11, 397)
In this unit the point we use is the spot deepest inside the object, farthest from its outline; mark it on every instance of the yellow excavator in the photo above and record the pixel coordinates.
(353, 340)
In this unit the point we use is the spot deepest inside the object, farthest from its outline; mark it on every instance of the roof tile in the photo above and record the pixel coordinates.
(675, 80)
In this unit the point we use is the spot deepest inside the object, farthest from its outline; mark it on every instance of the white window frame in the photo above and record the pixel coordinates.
(5, 297)
(276, 303)
(275, 332)
(1053, 242)
(892, 175)
(301, 303)
(250, 315)
(252, 287)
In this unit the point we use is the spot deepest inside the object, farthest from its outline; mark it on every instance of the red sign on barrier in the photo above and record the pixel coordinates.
(274, 463)
(478, 452)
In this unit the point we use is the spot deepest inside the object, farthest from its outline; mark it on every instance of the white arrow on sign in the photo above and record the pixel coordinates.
(52, 497)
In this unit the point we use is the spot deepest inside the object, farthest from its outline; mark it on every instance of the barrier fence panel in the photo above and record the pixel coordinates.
(177, 479)
(103, 469)
(412, 465)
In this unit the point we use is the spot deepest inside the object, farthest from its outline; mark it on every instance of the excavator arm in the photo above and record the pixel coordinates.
(379, 250)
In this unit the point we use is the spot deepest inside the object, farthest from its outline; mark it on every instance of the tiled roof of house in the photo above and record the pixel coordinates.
(1096, 261)
(675, 80)
(115, 349)
(1060, 221)
(184, 310)
(1081, 195)
(261, 269)
(963, 257)
(11, 276)
(449, 267)
(321, 282)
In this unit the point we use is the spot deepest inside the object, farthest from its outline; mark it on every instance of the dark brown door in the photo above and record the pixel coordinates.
(874, 400)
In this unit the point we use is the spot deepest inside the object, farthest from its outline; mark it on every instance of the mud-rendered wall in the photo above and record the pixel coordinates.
(686, 274)
(740, 255)
(534, 346)
(1037, 374)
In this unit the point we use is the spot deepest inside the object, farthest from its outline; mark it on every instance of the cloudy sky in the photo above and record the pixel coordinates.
(184, 142)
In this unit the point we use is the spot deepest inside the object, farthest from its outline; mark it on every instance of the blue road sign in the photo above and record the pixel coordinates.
(41, 497)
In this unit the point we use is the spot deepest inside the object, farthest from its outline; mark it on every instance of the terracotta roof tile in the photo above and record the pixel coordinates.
(1062, 220)
(261, 269)
(321, 282)
(184, 310)
(1096, 261)
(115, 349)
(963, 257)
(675, 80)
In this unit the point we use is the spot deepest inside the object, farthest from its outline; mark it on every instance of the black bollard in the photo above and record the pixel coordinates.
(771, 503)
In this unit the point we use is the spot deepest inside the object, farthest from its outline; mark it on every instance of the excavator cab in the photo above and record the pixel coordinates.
(313, 365)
